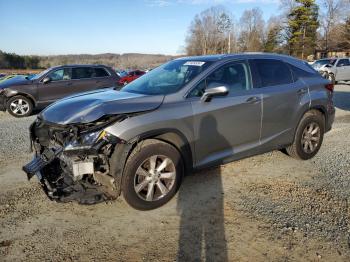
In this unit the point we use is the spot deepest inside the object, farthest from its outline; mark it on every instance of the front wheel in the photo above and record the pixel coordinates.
(19, 106)
(153, 174)
(308, 137)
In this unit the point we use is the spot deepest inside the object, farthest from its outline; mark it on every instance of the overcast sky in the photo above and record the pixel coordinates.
(47, 27)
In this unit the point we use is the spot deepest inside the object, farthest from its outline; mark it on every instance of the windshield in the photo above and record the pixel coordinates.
(40, 74)
(168, 78)
(332, 62)
(320, 63)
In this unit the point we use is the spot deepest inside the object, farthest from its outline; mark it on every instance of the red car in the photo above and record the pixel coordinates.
(130, 77)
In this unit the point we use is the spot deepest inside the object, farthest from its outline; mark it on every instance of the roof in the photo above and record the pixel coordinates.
(207, 58)
(79, 65)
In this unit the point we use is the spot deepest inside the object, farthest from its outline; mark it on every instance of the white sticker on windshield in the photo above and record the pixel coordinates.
(194, 63)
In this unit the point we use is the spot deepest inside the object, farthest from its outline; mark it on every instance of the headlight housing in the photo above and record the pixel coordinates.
(91, 140)
(87, 141)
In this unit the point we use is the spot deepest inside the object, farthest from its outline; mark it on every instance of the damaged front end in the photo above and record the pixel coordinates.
(72, 161)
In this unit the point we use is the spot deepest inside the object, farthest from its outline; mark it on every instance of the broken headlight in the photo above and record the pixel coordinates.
(91, 140)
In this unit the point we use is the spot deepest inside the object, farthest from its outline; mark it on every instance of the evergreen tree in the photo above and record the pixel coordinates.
(302, 26)
(272, 41)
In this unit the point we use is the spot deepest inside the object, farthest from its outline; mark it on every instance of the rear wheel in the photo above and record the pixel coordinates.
(308, 137)
(19, 106)
(153, 174)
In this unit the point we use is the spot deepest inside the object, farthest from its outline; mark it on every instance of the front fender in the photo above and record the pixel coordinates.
(174, 118)
(9, 92)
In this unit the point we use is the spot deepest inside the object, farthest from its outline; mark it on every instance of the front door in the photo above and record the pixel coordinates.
(58, 87)
(226, 125)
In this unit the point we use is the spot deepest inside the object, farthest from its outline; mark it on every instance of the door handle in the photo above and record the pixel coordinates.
(69, 84)
(253, 100)
(302, 91)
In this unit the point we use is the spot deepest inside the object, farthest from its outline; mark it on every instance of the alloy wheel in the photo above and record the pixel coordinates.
(155, 178)
(19, 107)
(311, 137)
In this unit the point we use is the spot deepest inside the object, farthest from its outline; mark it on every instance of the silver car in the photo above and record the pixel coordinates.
(337, 70)
(188, 114)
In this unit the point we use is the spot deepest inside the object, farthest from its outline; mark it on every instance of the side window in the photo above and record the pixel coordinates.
(82, 72)
(235, 76)
(198, 91)
(298, 72)
(60, 74)
(343, 62)
(100, 72)
(273, 72)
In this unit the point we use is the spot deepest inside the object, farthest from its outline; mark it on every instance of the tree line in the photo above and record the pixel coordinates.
(13, 61)
(301, 28)
(121, 61)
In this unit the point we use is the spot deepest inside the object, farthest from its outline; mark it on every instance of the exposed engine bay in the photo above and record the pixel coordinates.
(72, 161)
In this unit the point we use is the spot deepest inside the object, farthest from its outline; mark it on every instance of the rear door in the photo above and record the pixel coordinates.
(83, 79)
(282, 98)
(58, 87)
(343, 69)
(103, 78)
(227, 125)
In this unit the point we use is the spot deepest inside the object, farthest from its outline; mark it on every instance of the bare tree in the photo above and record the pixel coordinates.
(210, 32)
(334, 13)
(252, 26)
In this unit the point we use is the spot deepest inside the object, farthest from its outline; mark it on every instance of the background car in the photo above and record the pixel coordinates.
(21, 94)
(131, 76)
(121, 73)
(337, 70)
(320, 63)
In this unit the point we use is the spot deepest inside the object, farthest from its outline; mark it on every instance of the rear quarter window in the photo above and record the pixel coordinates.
(100, 72)
(300, 73)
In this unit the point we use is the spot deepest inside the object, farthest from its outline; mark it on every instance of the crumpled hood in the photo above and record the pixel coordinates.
(91, 106)
(16, 80)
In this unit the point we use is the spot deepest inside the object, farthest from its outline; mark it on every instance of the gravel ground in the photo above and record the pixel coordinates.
(268, 207)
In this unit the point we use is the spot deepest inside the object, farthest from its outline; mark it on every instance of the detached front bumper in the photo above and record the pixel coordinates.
(2, 102)
(39, 162)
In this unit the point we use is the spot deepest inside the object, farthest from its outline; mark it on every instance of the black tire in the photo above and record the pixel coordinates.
(297, 150)
(144, 151)
(25, 110)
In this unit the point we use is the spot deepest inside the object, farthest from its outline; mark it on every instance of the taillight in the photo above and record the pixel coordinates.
(330, 87)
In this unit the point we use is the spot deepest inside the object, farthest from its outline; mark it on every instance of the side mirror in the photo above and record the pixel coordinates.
(215, 89)
(46, 80)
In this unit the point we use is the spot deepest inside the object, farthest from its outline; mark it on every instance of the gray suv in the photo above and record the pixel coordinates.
(188, 114)
(20, 95)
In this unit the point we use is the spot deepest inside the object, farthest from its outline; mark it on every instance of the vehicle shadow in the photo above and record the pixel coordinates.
(342, 100)
(201, 206)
